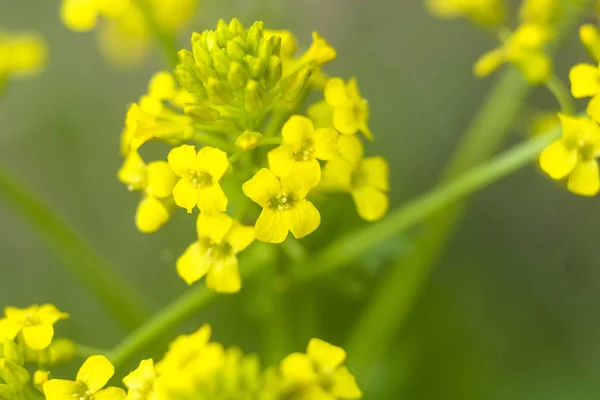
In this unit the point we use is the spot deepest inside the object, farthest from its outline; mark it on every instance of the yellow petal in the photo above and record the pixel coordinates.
(344, 385)
(8, 329)
(240, 236)
(371, 203)
(185, 194)
(133, 171)
(301, 180)
(297, 130)
(324, 354)
(212, 199)
(585, 179)
(558, 161)
(161, 179)
(337, 175)
(316, 392)
(373, 171)
(224, 276)
(79, 15)
(112, 8)
(585, 80)
(151, 214)
(281, 160)
(326, 143)
(535, 66)
(213, 226)
(345, 120)
(182, 159)
(111, 393)
(49, 314)
(95, 373)
(489, 62)
(142, 377)
(263, 186)
(303, 218)
(194, 263)
(335, 93)
(212, 161)
(271, 226)
(319, 52)
(573, 127)
(38, 337)
(321, 114)
(20, 314)
(298, 367)
(162, 85)
(593, 108)
(59, 389)
(350, 148)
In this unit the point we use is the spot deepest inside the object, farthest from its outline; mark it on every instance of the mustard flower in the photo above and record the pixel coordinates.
(220, 239)
(525, 49)
(585, 82)
(301, 149)
(141, 383)
(574, 155)
(350, 109)
(284, 204)
(365, 178)
(21, 54)
(199, 174)
(321, 373)
(157, 181)
(35, 323)
(82, 15)
(91, 378)
(483, 12)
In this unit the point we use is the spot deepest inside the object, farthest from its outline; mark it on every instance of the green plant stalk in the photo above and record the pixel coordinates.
(392, 301)
(562, 95)
(165, 40)
(77, 257)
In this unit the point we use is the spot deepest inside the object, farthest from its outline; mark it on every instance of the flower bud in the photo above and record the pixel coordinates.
(237, 76)
(221, 62)
(190, 81)
(202, 112)
(39, 378)
(187, 58)
(265, 49)
(273, 72)
(255, 96)
(12, 373)
(248, 140)
(255, 34)
(235, 49)
(235, 27)
(62, 351)
(218, 92)
(256, 67)
(223, 33)
(296, 84)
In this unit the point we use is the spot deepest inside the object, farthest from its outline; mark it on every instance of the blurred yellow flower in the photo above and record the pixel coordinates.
(590, 37)
(199, 174)
(301, 149)
(574, 155)
(320, 372)
(284, 204)
(21, 54)
(350, 109)
(220, 239)
(91, 378)
(35, 323)
(141, 382)
(585, 82)
(483, 12)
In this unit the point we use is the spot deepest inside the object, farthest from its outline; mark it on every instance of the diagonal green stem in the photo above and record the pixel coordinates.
(83, 262)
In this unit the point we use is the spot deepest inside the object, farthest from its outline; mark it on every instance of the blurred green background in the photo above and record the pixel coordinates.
(511, 311)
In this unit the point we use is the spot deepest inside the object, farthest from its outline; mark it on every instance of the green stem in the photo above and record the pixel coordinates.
(183, 307)
(77, 257)
(163, 38)
(88, 351)
(562, 94)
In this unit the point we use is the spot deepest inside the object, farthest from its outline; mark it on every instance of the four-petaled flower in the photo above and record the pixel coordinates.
(365, 178)
(91, 378)
(301, 149)
(35, 323)
(220, 239)
(574, 155)
(200, 174)
(284, 204)
(350, 109)
(320, 373)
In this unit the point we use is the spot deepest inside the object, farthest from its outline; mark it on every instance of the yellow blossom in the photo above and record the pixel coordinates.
(220, 239)
(542, 12)
(574, 155)
(91, 378)
(157, 181)
(21, 54)
(301, 149)
(284, 204)
(350, 109)
(321, 373)
(590, 37)
(200, 174)
(585, 82)
(141, 383)
(35, 323)
(82, 15)
(483, 12)
(365, 178)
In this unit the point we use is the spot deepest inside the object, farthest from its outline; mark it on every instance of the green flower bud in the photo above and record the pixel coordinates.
(187, 58)
(256, 66)
(221, 62)
(255, 34)
(265, 48)
(190, 81)
(237, 76)
(248, 140)
(202, 112)
(6, 392)
(235, 49)
(218, 92)
(12, 373)
(235, 27)
(255, 96)
(273, 72)
(12, 352)
(223, 33)
(296, 84)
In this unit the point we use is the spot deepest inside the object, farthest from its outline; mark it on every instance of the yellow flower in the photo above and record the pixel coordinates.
(365, 178)
(91, 378)
(574, 155)
(141, 382)
(483, 12)
(220, 239)
(21, 54)
(35, 323)
(157, 181)
(542, 12)
(524, 49)
(284, 204)
(301, 149)
(585, 82)
(200, 174)
(320, 372)
(590, 37)
(319, 52)
(82, 15)
(350, 110)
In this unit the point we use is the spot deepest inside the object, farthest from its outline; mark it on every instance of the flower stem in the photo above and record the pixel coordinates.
(88, 351)
(562, 94)
(102, 279)
(165, 39)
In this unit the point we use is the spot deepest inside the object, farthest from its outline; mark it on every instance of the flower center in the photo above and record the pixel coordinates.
(200, 179)
(282, 202)
(216, 249)
(306, 151)
(31, 319)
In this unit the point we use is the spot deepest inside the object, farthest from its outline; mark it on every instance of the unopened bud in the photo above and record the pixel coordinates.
(187, 58)
(273, 72)
(12, 373)
(189, 80)
(62, 351)
(223, 33)
(254, 96)
(256, 66)
(236, 27)
(248, 140)
(237, 76)
(265, 49)
(296, 84)
(218, 92)
(255, 34)
(202, 112)
(235, 50)
(40, 377)
(221, 62)
(590, 37)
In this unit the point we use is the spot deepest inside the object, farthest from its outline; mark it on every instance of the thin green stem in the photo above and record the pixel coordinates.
(560, 91)
(183, 307)
(165, 39)
(78, 258)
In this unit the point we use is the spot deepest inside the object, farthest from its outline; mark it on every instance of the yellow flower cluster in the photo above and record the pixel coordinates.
(231, 115)
(21, 54)
(125, 35)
